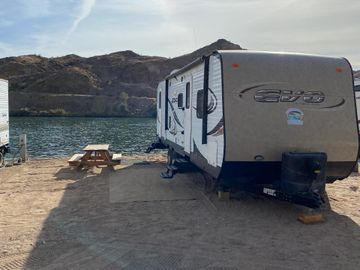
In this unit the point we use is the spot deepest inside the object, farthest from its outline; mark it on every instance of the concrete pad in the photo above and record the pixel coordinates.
(139, 183)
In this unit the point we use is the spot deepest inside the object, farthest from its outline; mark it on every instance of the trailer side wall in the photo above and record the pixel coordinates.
(4, 113)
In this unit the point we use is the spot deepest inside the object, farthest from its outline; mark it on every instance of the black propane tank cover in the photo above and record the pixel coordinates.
(303, 173)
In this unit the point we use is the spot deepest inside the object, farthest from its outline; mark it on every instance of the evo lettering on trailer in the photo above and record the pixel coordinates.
(295, 117)
(264, 93)
(274, 95)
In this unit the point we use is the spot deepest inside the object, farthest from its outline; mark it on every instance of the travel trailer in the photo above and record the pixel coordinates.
(281, 123)
(4, 120)
(357, 95)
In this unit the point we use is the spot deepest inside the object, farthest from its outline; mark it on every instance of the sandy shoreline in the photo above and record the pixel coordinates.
(56, 217)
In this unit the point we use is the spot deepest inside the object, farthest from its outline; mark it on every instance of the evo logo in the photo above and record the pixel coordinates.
(271, 95)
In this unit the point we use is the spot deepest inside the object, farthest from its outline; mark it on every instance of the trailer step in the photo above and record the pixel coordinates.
(181, 160)
(170, 172)
(172, 168)
(167, 175)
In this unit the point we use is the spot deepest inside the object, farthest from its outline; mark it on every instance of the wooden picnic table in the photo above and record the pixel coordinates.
(95, 155)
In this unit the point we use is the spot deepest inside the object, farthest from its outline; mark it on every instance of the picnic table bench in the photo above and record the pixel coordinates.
(95, 155)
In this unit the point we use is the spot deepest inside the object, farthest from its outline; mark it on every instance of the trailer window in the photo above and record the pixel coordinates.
(180, 101)
(199, 104)
(159, 100)
(187, 101)
(357, 88)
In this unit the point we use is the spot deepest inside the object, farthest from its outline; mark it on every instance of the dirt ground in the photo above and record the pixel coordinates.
(56, 217)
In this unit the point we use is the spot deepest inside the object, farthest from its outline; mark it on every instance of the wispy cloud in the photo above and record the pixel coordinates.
(174, 27)
(85, 9)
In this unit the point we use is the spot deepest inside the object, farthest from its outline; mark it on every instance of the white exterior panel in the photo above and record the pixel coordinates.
(357, 95)
(4, 113)
(185, 123)
(215, 127)
(196, 123)
(213, 150)
(175, 132)
(160, 118)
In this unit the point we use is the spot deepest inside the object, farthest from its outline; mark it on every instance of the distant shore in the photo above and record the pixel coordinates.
(128, 158)
(73, 116)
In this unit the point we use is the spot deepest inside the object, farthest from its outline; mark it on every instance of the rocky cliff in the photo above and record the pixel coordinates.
(117, 84)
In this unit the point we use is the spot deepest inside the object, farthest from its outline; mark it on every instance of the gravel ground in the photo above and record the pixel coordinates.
(56, 217)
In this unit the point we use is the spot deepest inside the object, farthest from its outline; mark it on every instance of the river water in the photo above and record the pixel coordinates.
(64, 136)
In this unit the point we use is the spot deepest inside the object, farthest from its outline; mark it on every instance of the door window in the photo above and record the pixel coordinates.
(159, 100)
(180, 101)
(200, 104)
(187, 101)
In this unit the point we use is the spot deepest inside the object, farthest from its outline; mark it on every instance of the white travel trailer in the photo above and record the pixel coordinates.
(4, 120)
(357, 95)
(284, 122)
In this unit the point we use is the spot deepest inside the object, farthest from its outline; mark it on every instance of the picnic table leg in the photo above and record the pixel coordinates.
(107, 157)
(85, 158)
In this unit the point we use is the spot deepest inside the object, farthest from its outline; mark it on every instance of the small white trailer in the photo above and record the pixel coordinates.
(4, 120)
(357, 95)
(281, 123)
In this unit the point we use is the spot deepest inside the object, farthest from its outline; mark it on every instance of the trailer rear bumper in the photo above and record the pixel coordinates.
(268, 172)
(298, 178)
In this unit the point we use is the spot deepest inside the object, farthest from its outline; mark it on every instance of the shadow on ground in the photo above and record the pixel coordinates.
(88, 230)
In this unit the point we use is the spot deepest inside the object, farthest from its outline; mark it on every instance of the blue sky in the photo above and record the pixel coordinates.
(174, 27)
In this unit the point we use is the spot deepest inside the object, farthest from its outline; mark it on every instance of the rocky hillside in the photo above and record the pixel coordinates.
(117, 84)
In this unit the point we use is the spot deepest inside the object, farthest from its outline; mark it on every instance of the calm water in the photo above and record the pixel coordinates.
(61, 136)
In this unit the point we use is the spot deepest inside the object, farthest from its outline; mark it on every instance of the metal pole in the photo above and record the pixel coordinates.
(23, 147)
